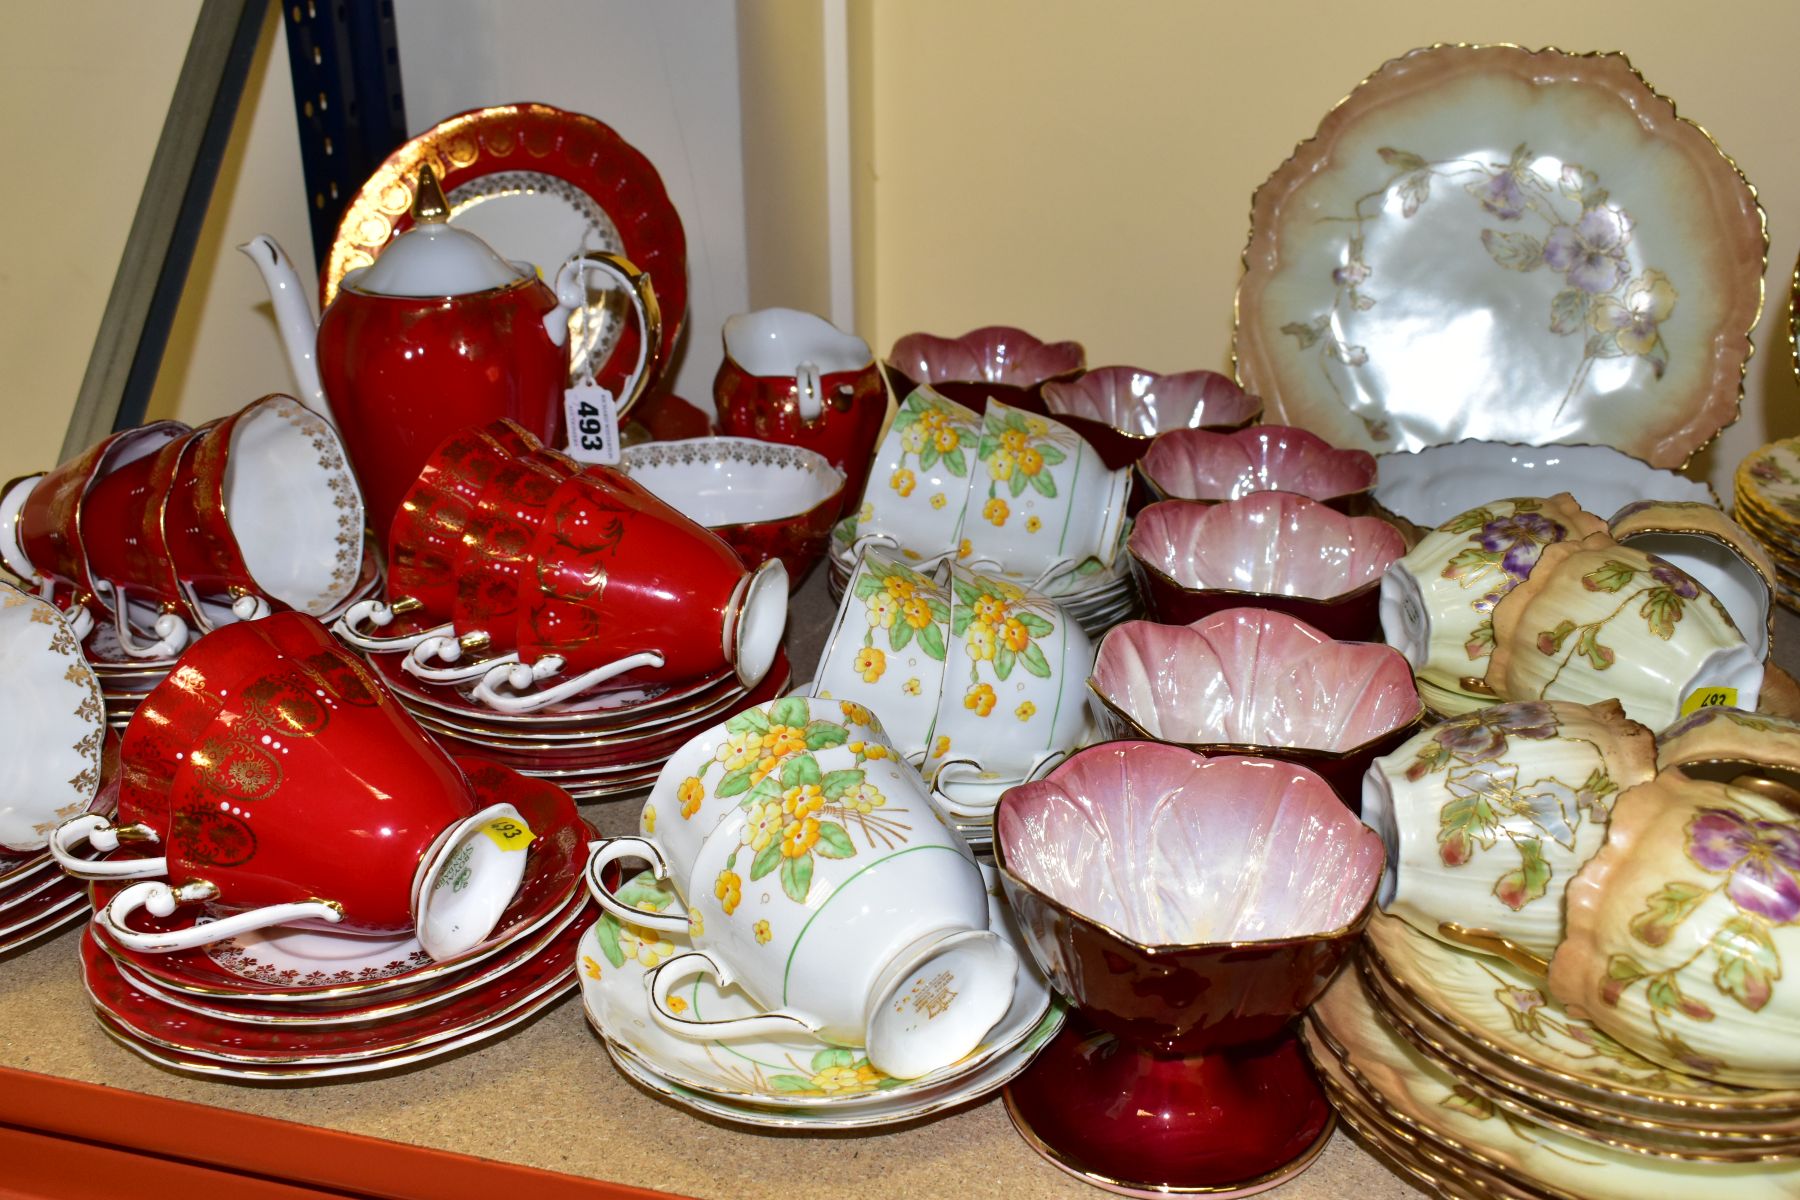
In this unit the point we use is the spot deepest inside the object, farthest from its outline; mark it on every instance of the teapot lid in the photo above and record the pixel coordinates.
(434, 257)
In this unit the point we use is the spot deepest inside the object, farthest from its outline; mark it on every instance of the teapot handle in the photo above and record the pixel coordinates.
(571, 290)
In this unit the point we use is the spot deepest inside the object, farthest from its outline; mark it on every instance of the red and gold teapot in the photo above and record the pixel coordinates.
(440, 333)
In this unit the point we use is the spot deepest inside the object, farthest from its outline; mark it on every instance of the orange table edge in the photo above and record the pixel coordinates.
(75, 1129)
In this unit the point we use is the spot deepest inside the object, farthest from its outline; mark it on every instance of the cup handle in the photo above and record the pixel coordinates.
(611, 850)
(245, 606)
(170, 628)
(102, 835)
(520, 677)
(81, 621)
(450, 649)
(698, 964)
(381, 615)
(809, 391)
(250, 607)
(161, 900)
(571, 290)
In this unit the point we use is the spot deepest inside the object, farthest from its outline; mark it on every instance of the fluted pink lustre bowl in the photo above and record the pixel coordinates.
(1198, 464)
(1191, 908)
(1182, 902)
(996, 360)
(1120, 409)
(1252, 681)
(1273, 550)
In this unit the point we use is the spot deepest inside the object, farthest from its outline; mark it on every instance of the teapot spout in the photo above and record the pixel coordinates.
(293, 317)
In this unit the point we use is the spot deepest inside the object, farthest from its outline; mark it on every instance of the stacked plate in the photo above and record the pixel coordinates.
(790, 1082)
(598, 746)
(1768, 505)
(294, 1003)
(125, 680)
(36, 898)
(1097, 596)
(1465, 1072)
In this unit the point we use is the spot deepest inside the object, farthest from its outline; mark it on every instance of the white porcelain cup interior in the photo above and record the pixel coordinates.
(293, 506)
(465, 883)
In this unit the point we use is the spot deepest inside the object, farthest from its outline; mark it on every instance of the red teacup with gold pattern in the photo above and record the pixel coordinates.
(265, 513)
(425, 538)
(163, 731)
(494, 560)
(128, 546)
(623, 586)
(50, 528)
(312, 797)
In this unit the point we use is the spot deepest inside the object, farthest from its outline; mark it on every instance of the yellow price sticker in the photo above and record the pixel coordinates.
(508, 834)
(1709, 697)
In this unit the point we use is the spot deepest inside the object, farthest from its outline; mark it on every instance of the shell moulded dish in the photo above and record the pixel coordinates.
(1433, 484)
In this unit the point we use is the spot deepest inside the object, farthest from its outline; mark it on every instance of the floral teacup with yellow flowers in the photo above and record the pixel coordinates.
(886, 651)
(1014, 700)
(1041, 502)
(914, 499)
(761, 823)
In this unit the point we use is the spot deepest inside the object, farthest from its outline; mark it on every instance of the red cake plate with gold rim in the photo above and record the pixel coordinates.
(314, 967)
(381, 1006)
(194, 1064)
(148, 1019)
(1190, 908)
(539, 185)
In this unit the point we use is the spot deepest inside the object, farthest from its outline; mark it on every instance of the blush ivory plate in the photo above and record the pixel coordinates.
(1548, 1107)
(1413, 1093)
(1491, 242)
(539, 185)
(300, 966)
(798, 1072)
(1483, 999)
(1421, 1161)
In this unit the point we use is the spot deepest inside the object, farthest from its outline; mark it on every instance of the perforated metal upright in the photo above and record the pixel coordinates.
(344, 56)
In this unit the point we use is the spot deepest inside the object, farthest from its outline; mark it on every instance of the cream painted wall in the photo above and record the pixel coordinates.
(1085, 170)
(223, 350)
(780, 60)
(84, 87)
